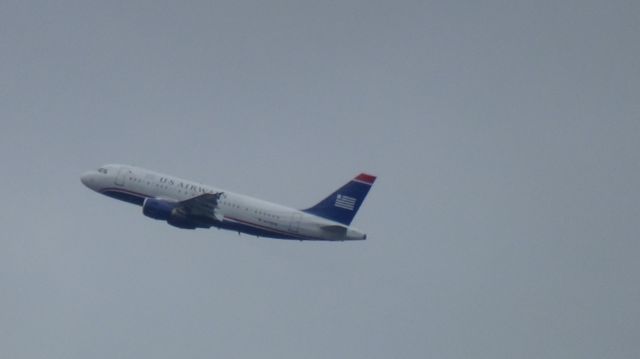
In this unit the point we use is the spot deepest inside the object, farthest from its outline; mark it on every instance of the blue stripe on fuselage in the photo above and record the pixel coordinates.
(262, 231)
(124, 195)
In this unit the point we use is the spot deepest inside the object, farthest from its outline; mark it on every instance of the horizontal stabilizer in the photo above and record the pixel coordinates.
(336, 231)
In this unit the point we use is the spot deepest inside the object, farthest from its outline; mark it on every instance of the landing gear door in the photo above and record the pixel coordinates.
(122, 175)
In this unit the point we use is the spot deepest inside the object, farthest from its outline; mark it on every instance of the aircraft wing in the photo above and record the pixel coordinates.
(202, 208)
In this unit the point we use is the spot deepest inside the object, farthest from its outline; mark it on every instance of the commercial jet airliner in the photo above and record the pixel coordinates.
(190, 205)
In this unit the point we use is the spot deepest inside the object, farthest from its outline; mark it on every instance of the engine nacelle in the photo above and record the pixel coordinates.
(166, 211)
(158, 208)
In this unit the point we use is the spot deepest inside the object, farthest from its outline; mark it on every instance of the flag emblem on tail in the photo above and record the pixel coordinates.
(345, 202)
(341, 205)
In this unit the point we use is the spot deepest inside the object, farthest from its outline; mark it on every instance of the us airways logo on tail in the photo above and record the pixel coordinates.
(345, 202)
(342, 205)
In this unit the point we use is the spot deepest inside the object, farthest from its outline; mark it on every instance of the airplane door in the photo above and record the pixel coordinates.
(122, 175)
(294, 225)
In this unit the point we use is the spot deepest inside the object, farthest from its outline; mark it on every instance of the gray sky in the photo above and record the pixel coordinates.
(504, 222)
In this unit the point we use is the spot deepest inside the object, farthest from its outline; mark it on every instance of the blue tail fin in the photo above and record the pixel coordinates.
(341, 206)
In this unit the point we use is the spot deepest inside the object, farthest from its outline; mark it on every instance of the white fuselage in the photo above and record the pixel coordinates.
(239, 212)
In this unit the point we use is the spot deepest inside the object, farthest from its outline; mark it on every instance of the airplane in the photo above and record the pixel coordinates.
(190, 205)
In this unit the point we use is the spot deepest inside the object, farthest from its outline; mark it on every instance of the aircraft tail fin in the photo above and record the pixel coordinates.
(342, 205)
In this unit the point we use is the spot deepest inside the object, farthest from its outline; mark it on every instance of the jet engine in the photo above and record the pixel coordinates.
(167, 211)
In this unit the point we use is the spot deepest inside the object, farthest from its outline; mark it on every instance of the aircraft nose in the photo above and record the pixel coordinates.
(88, 179)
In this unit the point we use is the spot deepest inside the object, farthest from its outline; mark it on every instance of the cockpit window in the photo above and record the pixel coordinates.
(102, 170)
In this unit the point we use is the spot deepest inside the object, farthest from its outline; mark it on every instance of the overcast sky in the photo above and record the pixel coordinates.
(504, 223)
